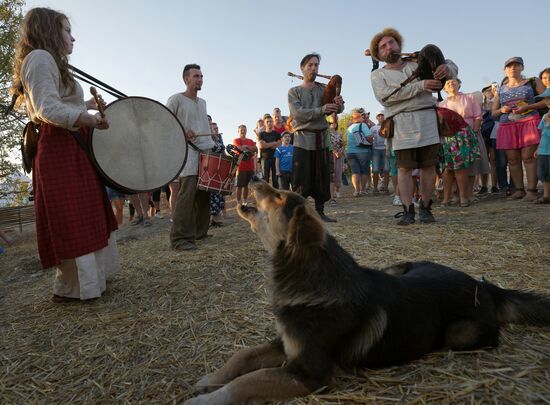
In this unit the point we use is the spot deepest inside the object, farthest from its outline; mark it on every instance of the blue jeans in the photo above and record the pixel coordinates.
(268, 167)
(380, 163)
(360, 162)
(501, 163)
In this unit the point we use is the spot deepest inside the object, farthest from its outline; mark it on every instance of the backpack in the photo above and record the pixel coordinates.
(533, 83)
(487, 125)
(360, 138)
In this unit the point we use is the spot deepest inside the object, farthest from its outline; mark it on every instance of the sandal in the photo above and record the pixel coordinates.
(464, 204)
(531, 195)
(542, 200)
(147, 222)
(137, 220)
(518, 195)
(332, 203)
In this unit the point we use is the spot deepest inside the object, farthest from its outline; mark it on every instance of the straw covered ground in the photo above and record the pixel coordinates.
(169, 317)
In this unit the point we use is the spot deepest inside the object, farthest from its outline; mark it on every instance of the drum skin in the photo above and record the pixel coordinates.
(216, 173)
(144, 147)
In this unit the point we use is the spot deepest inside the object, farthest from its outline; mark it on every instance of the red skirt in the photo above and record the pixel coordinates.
(519, 134)
(73, 213)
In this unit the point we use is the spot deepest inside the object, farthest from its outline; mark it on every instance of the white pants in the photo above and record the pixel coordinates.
(85, 277)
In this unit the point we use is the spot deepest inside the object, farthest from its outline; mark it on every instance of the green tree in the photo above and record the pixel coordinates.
(343, 122)
(11, 126)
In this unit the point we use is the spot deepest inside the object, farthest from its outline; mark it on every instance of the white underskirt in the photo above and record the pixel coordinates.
(85, 277)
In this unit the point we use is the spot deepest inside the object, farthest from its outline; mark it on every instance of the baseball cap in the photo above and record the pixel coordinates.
(379, 113)
(359, 110)
(544, 94)
(515, 59)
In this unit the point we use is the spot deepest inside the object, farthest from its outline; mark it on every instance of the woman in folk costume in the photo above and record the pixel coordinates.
(75, 223)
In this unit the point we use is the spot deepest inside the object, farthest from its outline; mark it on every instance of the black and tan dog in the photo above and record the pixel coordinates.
(331, 312)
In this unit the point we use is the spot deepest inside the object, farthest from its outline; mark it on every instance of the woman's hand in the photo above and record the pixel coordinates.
(521, 109)
(441, 72)
(432, 85)
(94, 121)
(505, 109)
(91, 104)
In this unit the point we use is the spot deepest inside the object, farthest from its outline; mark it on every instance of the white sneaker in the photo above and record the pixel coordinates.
(337, 194)
(159, 215)
(397, 201)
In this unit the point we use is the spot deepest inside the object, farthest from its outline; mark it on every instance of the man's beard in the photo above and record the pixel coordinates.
(310, 76)
(393, 57)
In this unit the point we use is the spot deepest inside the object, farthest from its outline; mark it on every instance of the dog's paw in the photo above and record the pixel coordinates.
(208, 383)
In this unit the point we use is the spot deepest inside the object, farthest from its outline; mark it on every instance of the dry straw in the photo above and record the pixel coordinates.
(171, 317)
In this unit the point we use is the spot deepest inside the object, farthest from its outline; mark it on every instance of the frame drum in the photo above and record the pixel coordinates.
(144, 147)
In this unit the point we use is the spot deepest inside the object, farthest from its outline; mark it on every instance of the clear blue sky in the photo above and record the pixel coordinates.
(246, 47)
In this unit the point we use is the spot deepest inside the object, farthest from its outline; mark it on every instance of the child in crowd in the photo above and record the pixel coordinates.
(543, 152)
(246, 167)
(283, 161)
(6, 238)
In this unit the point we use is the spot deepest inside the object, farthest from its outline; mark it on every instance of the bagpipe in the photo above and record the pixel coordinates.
(428, 59)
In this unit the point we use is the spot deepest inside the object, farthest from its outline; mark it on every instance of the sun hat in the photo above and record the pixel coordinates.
(515, 59)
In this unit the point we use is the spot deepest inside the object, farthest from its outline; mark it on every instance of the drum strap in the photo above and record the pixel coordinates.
(78, 138)
(85, 77)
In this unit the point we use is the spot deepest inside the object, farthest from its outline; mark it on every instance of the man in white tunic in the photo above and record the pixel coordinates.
(191, 216)
(416, 138)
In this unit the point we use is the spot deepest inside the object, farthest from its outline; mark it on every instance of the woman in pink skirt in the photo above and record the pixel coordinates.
(518, 131)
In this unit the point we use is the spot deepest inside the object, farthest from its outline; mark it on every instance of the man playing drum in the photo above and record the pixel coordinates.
(191, 216)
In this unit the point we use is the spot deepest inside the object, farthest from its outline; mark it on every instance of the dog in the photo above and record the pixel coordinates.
(333, 313)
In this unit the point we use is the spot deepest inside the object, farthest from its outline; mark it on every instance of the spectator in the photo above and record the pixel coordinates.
(278, 122)
(338, 153)
(217, 200)
(140, 201)
(246, 167)
(518, 131)
(469, 108)
(156, 200)
(544, 76)
(543, 151)
(380, 165)
(359, 155)
(117, 201)
(269, 140)
(6, 238)
(283, 161)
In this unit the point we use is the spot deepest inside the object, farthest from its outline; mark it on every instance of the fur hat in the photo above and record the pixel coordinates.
(386, 32)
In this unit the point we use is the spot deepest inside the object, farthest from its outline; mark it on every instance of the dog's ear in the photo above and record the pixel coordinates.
(305, 229)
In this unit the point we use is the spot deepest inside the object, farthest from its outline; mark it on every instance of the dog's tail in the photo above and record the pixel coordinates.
(524, 307)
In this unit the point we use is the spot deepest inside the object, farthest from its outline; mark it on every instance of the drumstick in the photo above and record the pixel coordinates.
(99, 101)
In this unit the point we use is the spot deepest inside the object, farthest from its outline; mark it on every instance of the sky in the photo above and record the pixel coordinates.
(246, 47)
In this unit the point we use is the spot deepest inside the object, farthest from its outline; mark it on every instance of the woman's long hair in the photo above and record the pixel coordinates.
(41, 29)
